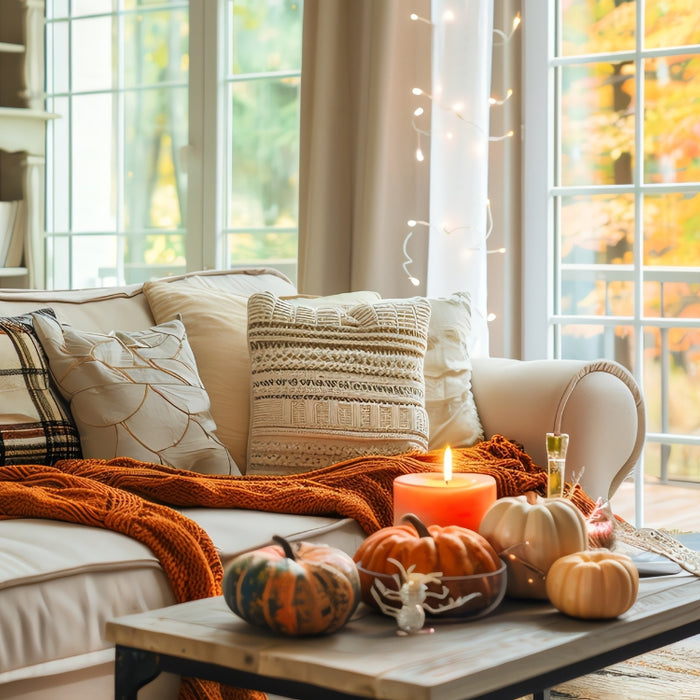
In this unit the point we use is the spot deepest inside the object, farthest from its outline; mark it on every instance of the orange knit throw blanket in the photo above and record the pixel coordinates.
(132, 497)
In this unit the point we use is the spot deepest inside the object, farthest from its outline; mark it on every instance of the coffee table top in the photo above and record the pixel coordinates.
(520, 640)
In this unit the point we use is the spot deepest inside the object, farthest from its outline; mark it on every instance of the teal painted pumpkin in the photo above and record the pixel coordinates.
(297, 589)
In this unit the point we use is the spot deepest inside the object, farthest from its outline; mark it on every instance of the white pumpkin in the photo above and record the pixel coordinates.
(530, 533)
(596, 584)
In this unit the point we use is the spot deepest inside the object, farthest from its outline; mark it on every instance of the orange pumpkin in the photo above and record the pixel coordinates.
(452, 550)
(297, 589)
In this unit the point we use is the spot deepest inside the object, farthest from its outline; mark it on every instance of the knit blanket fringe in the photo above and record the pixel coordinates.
(135, 499)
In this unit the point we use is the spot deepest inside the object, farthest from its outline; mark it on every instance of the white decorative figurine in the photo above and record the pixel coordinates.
(413, 594)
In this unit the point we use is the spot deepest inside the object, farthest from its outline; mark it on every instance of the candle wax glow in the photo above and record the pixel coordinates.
(461, 500)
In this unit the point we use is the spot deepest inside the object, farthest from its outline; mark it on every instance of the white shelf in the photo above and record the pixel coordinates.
(13, 271)
(11, 48)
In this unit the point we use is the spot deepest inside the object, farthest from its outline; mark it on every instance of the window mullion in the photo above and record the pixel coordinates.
(638, 247)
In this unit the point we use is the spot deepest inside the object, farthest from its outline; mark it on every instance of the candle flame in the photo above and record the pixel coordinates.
(447, 465)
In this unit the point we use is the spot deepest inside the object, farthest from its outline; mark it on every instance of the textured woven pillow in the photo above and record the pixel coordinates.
(136, 394)
(216, 325)
(449, 400)
(35, 424)
(331, 383)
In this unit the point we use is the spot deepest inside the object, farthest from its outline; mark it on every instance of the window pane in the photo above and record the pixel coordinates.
(94, 166)
(57, 8)
(671, 299)
(156, 48)
(152, 256)
(672, 461)
(671, 224)
(671, 23)
(597, 27)
(597, 124)
(591, 342)
(92, 65)
(264, 153)
(265, 36)
(92, 7)
(582, 294)
(672, 379)
(257, 246)
(672, 105)
(154, 181)
(58, 262)
(94, 261)
(58, 166)
(597, 229)
(57, 70)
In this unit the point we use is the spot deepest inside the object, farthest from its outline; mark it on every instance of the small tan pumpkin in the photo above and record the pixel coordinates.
(595, 584)
(530, 533)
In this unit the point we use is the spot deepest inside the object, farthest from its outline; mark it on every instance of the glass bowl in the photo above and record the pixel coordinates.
(455, 598)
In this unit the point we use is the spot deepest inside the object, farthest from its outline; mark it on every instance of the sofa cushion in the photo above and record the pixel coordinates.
(126, 307)
(332, 383)
(136, 394)
(57, 577)
(35, 424)
(449, 400)
(216, 323)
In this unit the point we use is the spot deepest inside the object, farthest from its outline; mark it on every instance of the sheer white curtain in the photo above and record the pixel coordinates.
(459, 218)
(360, 183)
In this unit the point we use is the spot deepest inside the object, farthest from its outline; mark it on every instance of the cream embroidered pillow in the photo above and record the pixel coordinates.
(136, 394)
(449, 400)
(332, 383)
(216, 324)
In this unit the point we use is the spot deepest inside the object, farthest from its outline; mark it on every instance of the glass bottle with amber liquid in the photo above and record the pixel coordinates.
(557, 444)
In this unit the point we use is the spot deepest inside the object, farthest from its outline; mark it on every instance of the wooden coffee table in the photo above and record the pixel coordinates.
(523, 647)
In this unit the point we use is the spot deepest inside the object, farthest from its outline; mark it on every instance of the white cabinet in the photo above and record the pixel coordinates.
(23, 129)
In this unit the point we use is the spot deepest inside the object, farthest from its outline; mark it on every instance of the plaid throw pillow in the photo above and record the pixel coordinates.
(35, 425)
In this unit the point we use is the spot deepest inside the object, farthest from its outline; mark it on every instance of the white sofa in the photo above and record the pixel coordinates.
(60, 582)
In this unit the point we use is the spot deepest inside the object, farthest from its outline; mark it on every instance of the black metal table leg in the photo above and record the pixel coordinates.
(133, 668)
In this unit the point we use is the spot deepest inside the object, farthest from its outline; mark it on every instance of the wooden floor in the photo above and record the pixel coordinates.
(674, 508)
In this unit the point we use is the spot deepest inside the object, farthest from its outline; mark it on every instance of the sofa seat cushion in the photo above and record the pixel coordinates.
(61, 582)
(236, 531)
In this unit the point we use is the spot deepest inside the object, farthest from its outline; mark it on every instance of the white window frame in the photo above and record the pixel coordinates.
(539, 240)
(539, 312)
(538, 180)
(205, 156)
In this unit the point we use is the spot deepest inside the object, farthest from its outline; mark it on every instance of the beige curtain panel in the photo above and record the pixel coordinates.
(359, 179)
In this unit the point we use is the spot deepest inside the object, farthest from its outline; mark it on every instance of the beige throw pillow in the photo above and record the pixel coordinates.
(331, 383)
(216, 323)
(136, 395)
(449, 401)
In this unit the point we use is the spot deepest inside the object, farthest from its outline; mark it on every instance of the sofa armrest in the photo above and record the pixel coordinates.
(597, 403)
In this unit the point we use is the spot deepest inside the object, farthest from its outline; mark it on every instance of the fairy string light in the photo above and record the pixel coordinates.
(456, 110)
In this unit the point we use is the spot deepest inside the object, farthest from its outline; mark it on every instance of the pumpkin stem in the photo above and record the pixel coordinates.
(531, 497)
(285, 546)
(421, 529)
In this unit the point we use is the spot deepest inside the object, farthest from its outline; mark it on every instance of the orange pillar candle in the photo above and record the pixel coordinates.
(444, 499)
